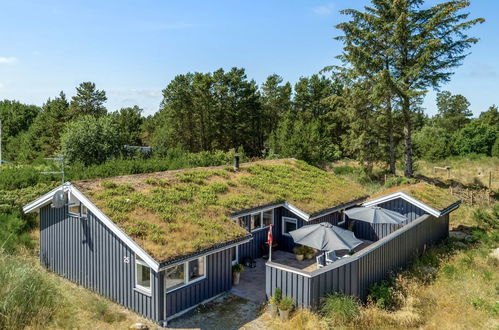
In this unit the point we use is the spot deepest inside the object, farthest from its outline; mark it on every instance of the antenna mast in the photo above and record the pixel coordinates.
(60, 159)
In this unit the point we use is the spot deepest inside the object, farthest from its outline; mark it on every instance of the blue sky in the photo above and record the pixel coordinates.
(132, 49)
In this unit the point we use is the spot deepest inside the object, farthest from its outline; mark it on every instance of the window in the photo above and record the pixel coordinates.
(256, 221)
(267, 217)
(196, 269)
(234, 253)
(175, 277)
(74, 209)
(288, 224)
(142, 275)
(185, 273)
(261, 220)
(84, 210)
(240, 222)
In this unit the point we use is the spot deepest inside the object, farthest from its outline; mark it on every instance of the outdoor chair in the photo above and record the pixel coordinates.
(331, 257)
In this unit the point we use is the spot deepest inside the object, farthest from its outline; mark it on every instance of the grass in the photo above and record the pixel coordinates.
(462, 292)
(175, 213)
(31, 297)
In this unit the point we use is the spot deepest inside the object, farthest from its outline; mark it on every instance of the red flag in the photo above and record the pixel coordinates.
(269, 237)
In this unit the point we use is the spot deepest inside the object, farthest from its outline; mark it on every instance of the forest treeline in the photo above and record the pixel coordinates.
(368, 108)
(225, 110)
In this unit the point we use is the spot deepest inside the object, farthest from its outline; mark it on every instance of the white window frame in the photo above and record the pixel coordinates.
(290, 220)
(79, 209)
(261, 220)
(139, 287)
(186, 274)
(237, 255)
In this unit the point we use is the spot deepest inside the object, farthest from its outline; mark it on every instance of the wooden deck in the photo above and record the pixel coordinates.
(308, 265)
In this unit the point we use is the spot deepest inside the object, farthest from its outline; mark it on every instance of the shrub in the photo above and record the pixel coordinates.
(13, 232)
(344, 169)
(381, 294)
(237, 268)
(475, 137)
(27, 296)
(278, 295)
(286, 304)
(339, 309)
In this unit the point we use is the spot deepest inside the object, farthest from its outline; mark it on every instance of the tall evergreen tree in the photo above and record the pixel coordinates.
(88, 101)
(424, 45)
(453, 111)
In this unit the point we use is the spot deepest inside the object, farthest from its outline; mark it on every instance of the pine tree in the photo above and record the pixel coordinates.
(88, 101)
(407, 47)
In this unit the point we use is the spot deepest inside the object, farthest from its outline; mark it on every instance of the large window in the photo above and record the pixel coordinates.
(288, 224)
(142, 275)
(234, 254)
(185, 273)
(261, 219)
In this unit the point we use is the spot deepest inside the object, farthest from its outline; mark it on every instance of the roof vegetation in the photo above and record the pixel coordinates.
(433, 196)
(175, 213)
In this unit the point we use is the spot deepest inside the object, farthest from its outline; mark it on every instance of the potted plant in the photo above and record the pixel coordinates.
(274, 302)
(237, 269)
(309, 252)
(299, 253)
(285, 307)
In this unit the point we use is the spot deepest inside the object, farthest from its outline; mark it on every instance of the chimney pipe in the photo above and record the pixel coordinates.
(236, 163)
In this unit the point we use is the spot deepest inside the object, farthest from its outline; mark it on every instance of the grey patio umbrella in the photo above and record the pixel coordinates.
(375, 214)
(325, 237)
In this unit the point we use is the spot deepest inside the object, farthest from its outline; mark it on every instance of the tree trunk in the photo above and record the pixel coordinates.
(406, 112)
(391, 141)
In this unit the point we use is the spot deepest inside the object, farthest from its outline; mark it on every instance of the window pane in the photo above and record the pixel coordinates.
(196, 269)
(233, 252)
(240, 222)
(84, 210)
(143, 276)
(256, 221)
(289, 225)
(174, 276)
(267, 218)
(74, 209)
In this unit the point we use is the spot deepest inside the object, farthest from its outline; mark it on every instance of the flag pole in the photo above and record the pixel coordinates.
(270, 238)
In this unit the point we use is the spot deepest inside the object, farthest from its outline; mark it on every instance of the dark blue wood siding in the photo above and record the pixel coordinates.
(218, 280)
(373, 232)
(86, 252)
(354, 275)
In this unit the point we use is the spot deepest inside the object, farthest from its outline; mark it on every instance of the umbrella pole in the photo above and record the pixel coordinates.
(325, 263)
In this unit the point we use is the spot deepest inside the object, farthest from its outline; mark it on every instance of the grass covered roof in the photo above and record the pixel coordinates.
(175, 213)
(433, 196)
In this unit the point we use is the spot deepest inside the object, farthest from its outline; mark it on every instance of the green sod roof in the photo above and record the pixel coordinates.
(176, 213)
(433, 196)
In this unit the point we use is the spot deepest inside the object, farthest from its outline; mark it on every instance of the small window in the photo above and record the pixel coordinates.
(240, 222)
(256, 221)
(288, 224)
(185, 273)
(142, 275)
(84, 210)
(196, 269)
(74, 209)
(234, 255)
(267, 217)
(175, 277)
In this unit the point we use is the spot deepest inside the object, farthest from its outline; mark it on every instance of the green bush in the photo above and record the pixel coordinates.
(13, 232)
(286, 304)
(475, 137)
(381, 294)
(237, 268)
(344, 169)
(27, 296)
(339, 309)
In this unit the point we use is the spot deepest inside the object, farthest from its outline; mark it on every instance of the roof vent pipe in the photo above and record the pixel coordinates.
(236, 163)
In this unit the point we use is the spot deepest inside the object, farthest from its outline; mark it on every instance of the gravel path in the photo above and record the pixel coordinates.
(226, 312)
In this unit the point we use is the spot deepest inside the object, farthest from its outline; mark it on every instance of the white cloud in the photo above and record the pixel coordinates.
(7, 60)
(324, 10)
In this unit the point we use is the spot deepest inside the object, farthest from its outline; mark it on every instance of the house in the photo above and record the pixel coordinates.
(163, 243)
